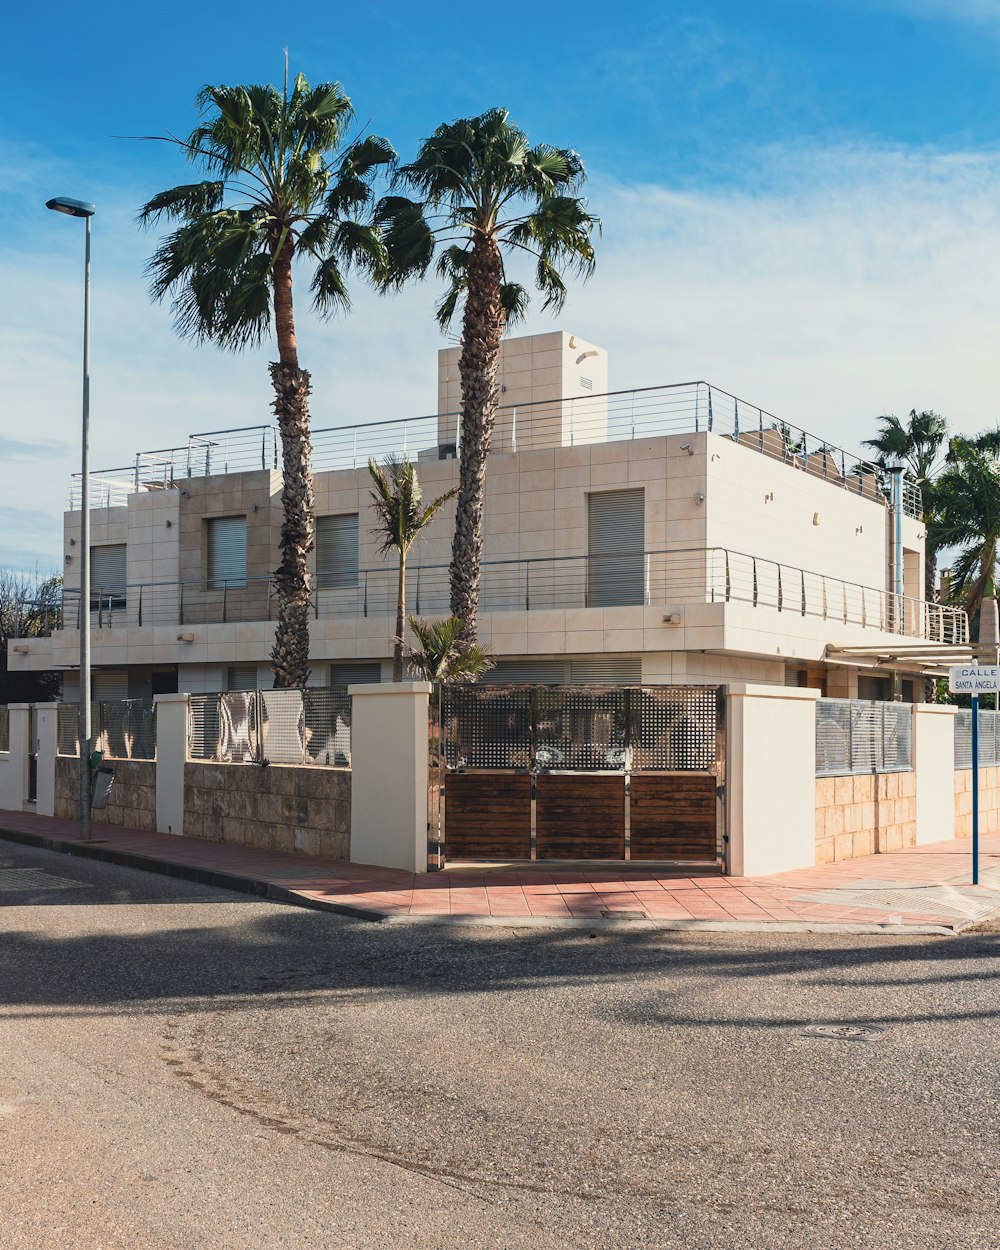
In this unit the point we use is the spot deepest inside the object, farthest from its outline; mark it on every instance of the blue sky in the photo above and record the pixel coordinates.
(801, 202)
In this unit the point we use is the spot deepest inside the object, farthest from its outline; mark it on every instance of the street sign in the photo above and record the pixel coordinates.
(974, 678)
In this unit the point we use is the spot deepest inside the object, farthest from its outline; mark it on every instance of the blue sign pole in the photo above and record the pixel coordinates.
(975, 789)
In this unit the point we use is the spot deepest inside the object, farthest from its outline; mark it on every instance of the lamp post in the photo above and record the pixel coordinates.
(77, 208)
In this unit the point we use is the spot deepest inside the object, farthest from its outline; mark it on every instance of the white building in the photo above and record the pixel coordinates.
(668, 535)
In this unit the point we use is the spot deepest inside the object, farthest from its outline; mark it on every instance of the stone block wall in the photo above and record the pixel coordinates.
(857, 816)
(989, 801)
(132, 802)
(279, 808)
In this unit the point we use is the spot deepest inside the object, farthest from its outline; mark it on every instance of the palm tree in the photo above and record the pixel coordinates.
(483, 192)
(397, 500)
(967, 496)
(284, 185)
(917, 444)
(442, 655)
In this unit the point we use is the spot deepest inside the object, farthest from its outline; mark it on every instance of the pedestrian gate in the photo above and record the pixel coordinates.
(561, 772)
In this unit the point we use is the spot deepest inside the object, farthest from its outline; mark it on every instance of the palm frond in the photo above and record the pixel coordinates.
(442, 655)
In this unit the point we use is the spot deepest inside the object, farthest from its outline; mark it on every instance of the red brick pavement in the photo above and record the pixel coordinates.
(676, 895)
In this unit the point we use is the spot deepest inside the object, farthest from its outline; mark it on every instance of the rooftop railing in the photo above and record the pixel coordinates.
(668, 578)
(684, 408)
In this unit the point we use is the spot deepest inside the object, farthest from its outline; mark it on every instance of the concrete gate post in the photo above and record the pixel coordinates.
(389, 774)
(770, 778)
(171, 756)
(934, 771)
(14, 761)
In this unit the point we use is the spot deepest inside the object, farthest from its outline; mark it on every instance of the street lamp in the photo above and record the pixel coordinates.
(77, 208)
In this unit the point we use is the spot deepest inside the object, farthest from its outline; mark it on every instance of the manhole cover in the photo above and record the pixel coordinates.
(611, 914)
(846, 1032)
(32, 879)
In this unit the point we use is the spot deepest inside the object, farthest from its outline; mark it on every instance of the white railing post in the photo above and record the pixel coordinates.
(171, 756)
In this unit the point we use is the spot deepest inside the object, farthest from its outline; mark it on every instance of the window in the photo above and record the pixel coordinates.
(344, 675)
(227, 552)
(337, 552)
(616, 532)
(107, 576)
(243, 678)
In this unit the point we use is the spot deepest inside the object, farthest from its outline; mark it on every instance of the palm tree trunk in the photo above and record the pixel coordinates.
(482, 330)
(290, 655)
(397, 652)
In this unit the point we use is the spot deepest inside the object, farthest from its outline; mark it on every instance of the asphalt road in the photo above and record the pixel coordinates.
(187, 1069)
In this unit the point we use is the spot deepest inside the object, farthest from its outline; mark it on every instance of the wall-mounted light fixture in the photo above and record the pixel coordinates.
(699, 496)
(687, 447)
(169, 523)
(815, 518)
(185, 637)
(673, 619)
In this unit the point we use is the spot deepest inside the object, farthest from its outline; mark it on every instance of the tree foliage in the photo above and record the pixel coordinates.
(401, 516)
(29, 608)
(441, 654)
(480, 193)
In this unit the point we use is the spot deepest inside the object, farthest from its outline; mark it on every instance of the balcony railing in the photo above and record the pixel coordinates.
(666, 578)
(685, 408)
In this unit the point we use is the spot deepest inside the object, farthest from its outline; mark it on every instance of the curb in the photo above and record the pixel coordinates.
(189, 872)
(275, 893)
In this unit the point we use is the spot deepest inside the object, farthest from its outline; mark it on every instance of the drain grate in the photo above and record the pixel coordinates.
(611, 914)
(846, 1032)
(31, 879)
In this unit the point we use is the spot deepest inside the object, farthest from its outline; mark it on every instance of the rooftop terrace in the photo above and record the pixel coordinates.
(647, 412)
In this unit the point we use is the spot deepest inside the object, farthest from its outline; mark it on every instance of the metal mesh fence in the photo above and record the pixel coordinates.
(127, 729)
(989, 739)
(124, 729)
(857, 736)
(580, 729)
(68, 729)
(4, 729)
(310, 726)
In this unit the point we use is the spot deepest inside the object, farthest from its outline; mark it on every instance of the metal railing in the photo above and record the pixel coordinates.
(858, 736)
(311, 726)
(687, 407)
(124, 729)
(669, 578)
(989, 739)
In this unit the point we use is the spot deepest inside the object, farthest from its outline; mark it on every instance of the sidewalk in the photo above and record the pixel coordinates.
(921, 890)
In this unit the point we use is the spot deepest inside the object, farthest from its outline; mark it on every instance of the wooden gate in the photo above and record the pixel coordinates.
(579, 773)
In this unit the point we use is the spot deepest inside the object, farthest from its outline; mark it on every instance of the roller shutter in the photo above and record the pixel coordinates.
(108, 575)
(616, 523)
(227, 552)
(337, 552)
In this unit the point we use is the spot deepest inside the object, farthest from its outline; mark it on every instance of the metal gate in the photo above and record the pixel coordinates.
(571, 772)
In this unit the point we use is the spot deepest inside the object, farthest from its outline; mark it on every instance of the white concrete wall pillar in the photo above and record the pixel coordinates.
(770, 778)
(171, 756)
(14, 762)
(934, 770)
(46, 726)
(389, 774)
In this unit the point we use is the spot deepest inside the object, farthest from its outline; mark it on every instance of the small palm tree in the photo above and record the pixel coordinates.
(917, 444)
(442, 655)
(397, 500)
(967, 496)
(482, 192)
(284, 186)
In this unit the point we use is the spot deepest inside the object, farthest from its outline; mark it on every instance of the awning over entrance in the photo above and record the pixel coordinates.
(928, 658)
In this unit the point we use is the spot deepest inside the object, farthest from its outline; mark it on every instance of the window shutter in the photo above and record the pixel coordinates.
(227, 551)
(108, 575)
(526, 673)
(109, 687)
(607, 671)
(616, 545)
(344, 675)
(242, 679)
(337, 552)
